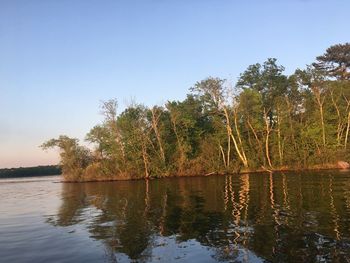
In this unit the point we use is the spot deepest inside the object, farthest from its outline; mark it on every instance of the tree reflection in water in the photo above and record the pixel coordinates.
(256, 217)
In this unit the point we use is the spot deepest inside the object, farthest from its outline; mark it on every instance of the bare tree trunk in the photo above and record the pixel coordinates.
(229, 131)
(320, 102)
(323, 126)
(228, 151)
(223, 156)
(347, 131)
(238, 134)
(258, 141)
(145, 160)
(180, 146)
(155, 120)
(280, 151)
(348, 122)
(118, 140)
(340, 125)
(290, 109)
(268, 130)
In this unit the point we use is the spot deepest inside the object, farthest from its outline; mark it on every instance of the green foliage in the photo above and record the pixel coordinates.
(267, 120)
(74, 157)
(267, 79)
(336, 61)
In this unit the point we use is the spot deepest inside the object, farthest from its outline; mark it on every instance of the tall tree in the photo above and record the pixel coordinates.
(336, 61)
(314, 79)
(267, 120)
(212, 92)
(267, 79)
(74, 157)
(135, 134)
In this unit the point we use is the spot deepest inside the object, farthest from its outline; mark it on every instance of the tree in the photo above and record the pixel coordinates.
(156, 113)
(135, 135)
(107, 139)
(336, 61)
(212, 92)
(267, 120)
(314, 79)
(268, 80)
(188, 125)
(74, 157)
(251, 108)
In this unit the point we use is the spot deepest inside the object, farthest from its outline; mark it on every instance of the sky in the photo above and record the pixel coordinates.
(59, 59)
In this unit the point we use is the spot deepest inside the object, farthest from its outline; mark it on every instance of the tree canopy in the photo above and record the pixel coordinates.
(267, 120)
(336, 61)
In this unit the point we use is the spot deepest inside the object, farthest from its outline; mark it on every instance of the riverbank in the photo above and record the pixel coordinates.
(242, 171)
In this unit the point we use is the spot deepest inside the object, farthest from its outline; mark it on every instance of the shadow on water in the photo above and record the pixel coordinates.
(247, 218)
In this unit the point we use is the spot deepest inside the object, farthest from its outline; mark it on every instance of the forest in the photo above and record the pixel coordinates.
(30, 171)
(266, 121)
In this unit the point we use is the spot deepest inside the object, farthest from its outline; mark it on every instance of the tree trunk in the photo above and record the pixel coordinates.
(339, 126)
(348, 122)
(180, 146)
(290, 110)
(230, 133)
(268, 130)
(228, 151)
(320, 102)
(261, 151)
(223, 156)
(347, 131)
(155, 120)
(280, 151)
(145, 160)
(239, 134)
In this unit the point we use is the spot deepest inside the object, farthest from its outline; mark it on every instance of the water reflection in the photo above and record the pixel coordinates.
(246, 218)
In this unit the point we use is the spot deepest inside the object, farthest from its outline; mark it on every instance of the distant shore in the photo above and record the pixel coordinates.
(45, 170)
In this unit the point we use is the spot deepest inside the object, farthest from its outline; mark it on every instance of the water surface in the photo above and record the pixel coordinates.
(293, 217)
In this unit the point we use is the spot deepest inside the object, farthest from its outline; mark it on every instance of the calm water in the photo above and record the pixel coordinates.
(249, 218)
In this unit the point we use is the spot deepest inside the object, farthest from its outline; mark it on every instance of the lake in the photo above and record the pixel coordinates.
(282, 217)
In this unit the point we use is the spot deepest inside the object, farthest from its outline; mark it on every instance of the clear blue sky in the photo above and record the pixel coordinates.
(59, 58)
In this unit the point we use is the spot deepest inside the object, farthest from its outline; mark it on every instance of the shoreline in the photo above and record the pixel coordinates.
(257, 171)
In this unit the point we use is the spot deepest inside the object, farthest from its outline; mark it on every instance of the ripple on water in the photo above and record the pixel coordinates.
(249, 218)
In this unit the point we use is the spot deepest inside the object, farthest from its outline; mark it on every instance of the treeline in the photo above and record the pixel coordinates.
(267, 120)
(30, 171)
